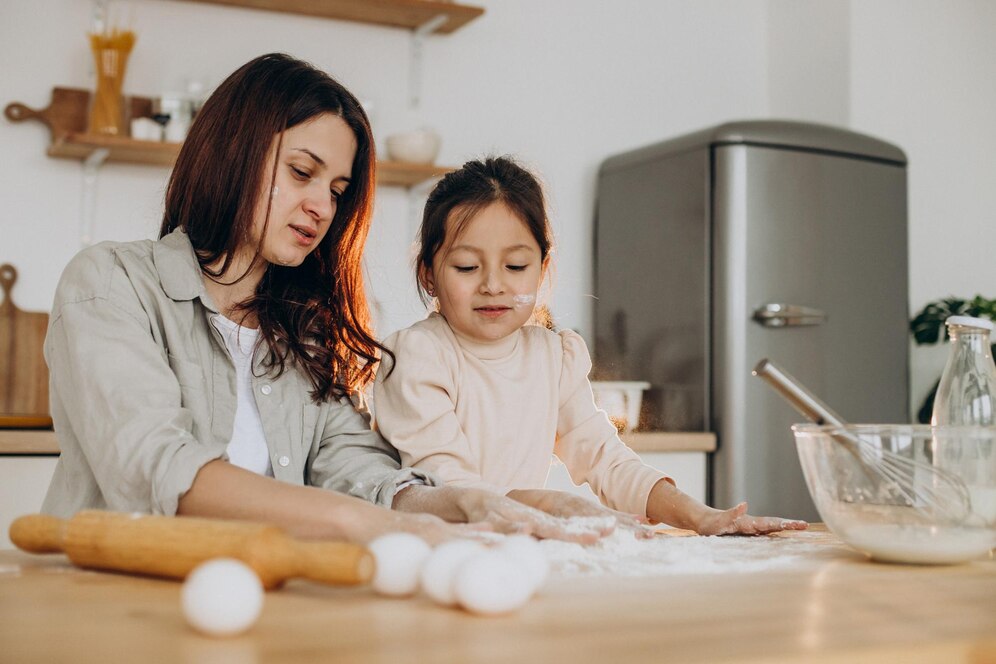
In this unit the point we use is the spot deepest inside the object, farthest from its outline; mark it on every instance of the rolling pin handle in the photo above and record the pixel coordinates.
(38, 533)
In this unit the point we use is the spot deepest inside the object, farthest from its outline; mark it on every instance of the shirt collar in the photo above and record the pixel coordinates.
(489, 350)
(179, 271)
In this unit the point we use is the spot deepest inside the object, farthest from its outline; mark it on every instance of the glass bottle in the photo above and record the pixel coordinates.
(967, 391)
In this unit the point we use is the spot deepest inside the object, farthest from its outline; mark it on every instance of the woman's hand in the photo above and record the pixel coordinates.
(501, 514)
(568, 506)
(371, 521)
(736, 521)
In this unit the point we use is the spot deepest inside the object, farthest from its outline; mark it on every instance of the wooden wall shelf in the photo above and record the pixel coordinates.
(66, 119)
(410, 14)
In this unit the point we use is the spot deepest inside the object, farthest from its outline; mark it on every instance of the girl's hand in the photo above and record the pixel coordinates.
(668, 504)
(736, 521)
(568, 506)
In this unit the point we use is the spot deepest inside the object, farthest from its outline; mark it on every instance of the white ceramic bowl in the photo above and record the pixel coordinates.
(621, 401)
(420, 146)
(875, 514)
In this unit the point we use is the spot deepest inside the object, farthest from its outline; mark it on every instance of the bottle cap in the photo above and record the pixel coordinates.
(969, 321)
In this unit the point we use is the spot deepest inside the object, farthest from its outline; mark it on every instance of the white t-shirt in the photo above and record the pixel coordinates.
(247, 448)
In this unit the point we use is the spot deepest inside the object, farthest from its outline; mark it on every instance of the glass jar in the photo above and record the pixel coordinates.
(967, 391)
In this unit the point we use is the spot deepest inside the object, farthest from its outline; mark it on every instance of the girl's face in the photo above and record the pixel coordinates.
(313, 170)
(487, 277)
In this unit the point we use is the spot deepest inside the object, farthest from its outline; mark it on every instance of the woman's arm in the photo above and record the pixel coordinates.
(222, 490)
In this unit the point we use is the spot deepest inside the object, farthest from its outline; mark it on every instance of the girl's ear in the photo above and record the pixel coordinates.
(544, 266)
(426, 280)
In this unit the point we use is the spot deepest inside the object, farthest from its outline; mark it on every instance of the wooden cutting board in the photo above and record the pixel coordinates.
(23, 374)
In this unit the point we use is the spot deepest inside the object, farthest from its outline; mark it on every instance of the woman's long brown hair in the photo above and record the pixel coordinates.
(314, 315)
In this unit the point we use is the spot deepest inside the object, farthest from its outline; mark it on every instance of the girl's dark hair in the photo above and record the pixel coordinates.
(461, 194)
(314, 315)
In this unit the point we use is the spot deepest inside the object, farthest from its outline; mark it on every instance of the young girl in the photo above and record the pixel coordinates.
(481, 398)
(211, 372)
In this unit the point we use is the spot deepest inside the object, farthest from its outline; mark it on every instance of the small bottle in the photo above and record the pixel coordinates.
(967, 391)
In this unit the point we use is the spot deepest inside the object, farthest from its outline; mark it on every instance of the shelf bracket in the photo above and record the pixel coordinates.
(418, 41)
(88, 204)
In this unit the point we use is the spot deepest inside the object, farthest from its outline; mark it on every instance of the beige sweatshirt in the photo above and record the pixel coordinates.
(490, 415)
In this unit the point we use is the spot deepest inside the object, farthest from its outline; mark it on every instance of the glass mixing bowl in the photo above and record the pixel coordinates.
(885, 489)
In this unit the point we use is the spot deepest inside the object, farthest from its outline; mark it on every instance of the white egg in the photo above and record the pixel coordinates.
(492, 583)
(528, 553)
(222, 597)
(399, 559)
(439, 570)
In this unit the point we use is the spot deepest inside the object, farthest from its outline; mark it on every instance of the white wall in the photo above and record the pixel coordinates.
(562, 83)
(923, 76)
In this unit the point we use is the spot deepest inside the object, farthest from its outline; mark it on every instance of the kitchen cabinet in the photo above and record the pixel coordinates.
(27, 461)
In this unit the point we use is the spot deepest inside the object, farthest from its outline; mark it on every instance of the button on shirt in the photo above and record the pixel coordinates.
(143, 392)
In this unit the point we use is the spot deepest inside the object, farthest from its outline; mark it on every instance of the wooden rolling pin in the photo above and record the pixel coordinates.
(173, 546)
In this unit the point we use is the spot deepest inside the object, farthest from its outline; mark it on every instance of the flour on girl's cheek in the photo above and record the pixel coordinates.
(526, 300)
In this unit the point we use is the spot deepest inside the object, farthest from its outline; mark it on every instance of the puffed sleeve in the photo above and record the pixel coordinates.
(353, 459)
(117, 392)
(588, 443)
(415, 409)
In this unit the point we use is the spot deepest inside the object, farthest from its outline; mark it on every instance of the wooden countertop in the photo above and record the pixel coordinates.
(833, 606)
(39, 441)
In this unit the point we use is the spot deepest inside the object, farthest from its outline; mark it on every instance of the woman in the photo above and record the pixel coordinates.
(214, 372)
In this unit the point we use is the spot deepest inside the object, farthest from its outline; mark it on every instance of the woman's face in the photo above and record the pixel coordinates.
(313, 170)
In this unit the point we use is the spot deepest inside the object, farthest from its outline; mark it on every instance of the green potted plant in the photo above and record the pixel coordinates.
(928, 328)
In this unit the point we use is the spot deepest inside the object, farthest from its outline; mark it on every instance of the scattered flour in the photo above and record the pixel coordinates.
(623, 554)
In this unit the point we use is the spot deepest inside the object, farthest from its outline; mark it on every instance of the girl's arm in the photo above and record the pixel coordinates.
(590, 447)
(668, 504)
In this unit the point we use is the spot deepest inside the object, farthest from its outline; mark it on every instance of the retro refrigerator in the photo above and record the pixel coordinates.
(751, 240)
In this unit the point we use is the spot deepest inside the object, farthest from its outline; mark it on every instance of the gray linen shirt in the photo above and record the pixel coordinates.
(143, 392)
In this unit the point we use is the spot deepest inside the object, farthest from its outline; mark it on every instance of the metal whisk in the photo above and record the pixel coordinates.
(945, 493)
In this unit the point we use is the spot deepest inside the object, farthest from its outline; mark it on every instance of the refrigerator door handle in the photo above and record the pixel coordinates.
(776, 314)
